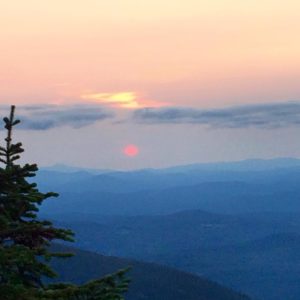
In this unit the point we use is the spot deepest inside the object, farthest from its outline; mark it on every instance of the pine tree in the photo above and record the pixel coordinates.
(25, 240)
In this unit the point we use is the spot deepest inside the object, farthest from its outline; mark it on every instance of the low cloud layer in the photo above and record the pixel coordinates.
(266, 116)
(43, 117)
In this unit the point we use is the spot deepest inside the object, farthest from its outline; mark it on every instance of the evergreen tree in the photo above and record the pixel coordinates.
(25, 240)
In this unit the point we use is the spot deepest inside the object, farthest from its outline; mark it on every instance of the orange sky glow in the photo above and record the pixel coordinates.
(100, 62)
(130, 100)
(194, 53)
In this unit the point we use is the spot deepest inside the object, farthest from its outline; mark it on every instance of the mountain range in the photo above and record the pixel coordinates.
(148, 281)
(234, 223)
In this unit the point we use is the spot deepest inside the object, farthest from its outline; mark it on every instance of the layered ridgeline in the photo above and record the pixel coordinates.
(241, 228)
(149, 281)
(258, 254)
(250, 186)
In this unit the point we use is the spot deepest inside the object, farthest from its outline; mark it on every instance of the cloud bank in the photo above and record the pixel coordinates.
(43, 117)
(265, 116)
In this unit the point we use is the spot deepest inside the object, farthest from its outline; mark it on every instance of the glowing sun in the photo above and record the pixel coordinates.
(131, 150)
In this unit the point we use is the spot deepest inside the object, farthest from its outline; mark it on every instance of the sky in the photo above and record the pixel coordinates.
(178, 81)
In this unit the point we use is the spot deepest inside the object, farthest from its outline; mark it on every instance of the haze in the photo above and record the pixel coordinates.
(190, 61)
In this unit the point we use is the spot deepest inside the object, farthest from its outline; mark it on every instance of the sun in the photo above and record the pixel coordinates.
(131, 150)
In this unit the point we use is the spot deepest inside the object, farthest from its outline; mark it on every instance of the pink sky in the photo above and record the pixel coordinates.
(194, 53)
(132, 54)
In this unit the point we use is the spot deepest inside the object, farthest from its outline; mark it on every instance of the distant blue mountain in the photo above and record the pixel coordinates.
(256, 253)
(70, 169)
(243, 165)
(237, 223)
(271, 185)
(149, 281)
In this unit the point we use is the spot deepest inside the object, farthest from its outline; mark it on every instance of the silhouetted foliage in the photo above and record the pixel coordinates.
(24, 239)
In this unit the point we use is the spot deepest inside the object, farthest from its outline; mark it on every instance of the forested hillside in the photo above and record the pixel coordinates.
(149, 281)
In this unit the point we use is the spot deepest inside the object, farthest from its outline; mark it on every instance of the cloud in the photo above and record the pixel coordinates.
(122, 99)
(266, 116)
(43, 117)
(129, 100)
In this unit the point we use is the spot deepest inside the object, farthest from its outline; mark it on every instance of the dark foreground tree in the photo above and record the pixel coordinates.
(25, 240)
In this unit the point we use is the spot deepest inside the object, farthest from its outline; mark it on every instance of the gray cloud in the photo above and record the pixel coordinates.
(43, 117)
(267, 116)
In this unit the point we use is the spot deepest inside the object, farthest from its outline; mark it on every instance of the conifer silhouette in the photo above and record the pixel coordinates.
(25, 240)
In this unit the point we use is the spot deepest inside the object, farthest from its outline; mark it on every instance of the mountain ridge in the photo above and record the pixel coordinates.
(149, 281)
